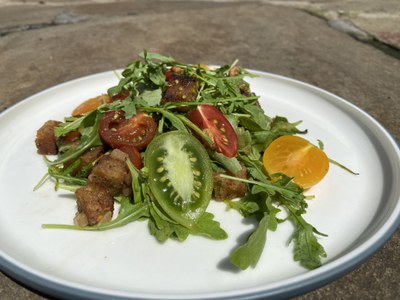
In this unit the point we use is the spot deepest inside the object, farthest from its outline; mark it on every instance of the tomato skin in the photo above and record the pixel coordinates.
(95, 102)
(180, 176)
(210, 119)
(116, 131)
(90, 104)
(133, 154)
(173, 70)
(295, 157)
(168, 75)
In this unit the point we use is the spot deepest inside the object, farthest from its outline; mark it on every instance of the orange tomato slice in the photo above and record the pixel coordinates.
(297, 158)
(90, 104)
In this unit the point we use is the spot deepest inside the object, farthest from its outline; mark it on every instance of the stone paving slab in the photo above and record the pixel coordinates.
(14, 19)
(364, 19)
(377, 19)
(276, 38)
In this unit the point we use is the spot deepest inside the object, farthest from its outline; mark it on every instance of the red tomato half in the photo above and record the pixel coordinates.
(209, 119)
(116, 131)
(133, 154)
(168, 75)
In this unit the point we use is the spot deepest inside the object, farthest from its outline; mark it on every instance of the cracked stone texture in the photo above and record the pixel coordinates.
(380, 19)
(43, 45)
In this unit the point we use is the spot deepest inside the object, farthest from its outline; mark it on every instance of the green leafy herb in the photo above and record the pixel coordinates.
(249, 253)
(128, 213)
(88, 127)
(308, 251)
(208, 227)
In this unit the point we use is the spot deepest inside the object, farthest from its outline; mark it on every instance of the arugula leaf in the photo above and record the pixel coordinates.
(245, 206)
(157, 76)
(180, 232)
(90, 138)
(128, 213)
(281, 126)
(288, 192)
(208, 227)
(307, 250)
(136, 185)
(244, 139)
(151, 97)
(163, 227)
(66, 127)
(254, 118)
(230, 164)
(263, 130)
(158, 226)
(249, 253)
(174, 119)
(148, 56)
(58, 174)
(121, 85)
(128, 105)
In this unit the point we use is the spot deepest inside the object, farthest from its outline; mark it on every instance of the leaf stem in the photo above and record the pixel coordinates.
(282, 190)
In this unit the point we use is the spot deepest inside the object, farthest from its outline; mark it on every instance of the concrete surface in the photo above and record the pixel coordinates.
(350, 48)
(367, 20)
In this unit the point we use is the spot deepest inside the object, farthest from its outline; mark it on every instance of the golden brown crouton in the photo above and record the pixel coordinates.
(181, 89)
(94, 202)
(46, 142)
(113, 174)
(226, 189)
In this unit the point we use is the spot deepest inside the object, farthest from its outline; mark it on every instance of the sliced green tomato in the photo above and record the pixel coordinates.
(180, 176)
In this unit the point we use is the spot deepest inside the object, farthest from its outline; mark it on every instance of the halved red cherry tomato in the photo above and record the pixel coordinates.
(210, 119)
(168, 75)
(116, 131)
(133, 154)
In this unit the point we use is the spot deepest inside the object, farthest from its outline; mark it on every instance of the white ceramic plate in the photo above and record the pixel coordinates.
(359, 213)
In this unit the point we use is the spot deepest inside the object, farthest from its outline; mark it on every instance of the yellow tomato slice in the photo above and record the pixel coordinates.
(297, 158)
(90, 104)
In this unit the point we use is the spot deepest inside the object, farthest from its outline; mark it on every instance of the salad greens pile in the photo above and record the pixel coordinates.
(145, 80)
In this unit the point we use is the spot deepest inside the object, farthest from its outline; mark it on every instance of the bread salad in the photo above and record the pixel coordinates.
(170, 138)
